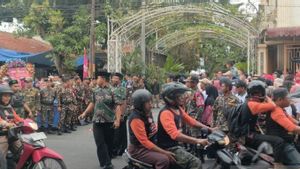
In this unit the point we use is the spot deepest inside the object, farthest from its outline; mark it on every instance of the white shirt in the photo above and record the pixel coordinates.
(242, 98)
(289, 109)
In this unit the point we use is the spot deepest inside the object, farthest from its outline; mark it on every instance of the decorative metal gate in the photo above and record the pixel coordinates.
(293, 52)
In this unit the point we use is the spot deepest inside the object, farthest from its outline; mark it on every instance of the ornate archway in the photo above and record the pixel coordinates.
(188, 22)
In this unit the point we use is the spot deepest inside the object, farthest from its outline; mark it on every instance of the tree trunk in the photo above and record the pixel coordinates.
(58, 61)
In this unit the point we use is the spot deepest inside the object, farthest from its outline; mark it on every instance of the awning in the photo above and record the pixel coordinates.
(284, 33)
(37, 58)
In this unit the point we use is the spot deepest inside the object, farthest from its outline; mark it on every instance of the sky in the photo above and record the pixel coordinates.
(248, 8)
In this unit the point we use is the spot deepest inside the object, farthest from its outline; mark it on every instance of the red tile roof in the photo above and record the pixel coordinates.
(284, 32)
(22, 44)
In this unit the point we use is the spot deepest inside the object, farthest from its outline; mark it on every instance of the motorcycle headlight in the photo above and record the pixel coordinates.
(225, 141)
(33, 125)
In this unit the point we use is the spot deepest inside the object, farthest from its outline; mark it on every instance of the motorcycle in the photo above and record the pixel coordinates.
(238, 156)
(35, 153)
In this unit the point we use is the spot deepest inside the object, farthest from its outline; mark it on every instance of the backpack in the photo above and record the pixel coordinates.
(237, 120)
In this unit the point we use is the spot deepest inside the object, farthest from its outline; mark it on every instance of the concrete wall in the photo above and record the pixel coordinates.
(288, 13)
(281, 13)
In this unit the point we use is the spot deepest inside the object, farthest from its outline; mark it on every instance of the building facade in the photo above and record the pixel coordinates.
(279, 47)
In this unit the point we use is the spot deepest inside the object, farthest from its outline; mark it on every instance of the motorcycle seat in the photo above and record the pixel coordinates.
(130, 159)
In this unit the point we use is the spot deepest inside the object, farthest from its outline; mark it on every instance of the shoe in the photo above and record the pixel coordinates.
(49, 131)
(59, 132)
(67, 131)
(110, 166)
(72, 128)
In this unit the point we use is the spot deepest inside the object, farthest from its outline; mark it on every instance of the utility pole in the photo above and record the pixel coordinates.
(92, 41)
(143, 38)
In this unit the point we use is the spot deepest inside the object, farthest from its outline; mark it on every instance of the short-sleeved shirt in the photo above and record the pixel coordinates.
(47, 96)
(17, 100)
(103, 98)
(32, 98)
(221, 104)
(119, 94)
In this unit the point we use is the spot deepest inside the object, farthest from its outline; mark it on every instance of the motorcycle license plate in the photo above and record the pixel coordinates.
(38, 136)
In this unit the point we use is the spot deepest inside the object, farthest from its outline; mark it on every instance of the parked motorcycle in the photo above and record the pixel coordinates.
(35, 154)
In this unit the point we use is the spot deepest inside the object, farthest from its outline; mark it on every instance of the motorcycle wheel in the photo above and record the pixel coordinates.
(49, 163)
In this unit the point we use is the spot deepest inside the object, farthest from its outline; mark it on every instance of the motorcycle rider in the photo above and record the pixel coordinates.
(279, 123)
(256, 104)
(8, 118)
(142, 133)
(170, 122)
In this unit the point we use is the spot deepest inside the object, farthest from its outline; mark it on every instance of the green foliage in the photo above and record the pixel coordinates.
(172, 66)
(216, 53)
(101, 33)
(43, 20)
(132, 64)
(241, 66)
(155, 72)
(68, 37)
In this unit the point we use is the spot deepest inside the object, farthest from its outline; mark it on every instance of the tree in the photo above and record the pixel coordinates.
(132, 64)
(68, 39)
(216, 53)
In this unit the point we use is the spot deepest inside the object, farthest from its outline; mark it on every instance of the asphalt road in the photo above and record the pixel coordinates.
(79, 149)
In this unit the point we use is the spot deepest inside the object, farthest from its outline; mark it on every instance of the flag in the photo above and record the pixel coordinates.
(85, 65)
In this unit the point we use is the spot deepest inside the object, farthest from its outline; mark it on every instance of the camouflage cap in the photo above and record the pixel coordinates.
(12, 82)
(66, 78)
(28, 80)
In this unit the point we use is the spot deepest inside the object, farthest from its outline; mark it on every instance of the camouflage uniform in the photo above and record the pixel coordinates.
(221, 104)
(103, 99)
(185, 159)
(120, 141)
(195, 109)
(87, 98)
(78, 92)
(195, 106)
(131, 87)
(47, 97)
(129, 91)
(32, 98)
(67, 102)
(17, 102)
(103, 119)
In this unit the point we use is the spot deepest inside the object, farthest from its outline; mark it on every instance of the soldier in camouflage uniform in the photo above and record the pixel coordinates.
(107, 115)
(223, 102)
(120, 138)
(67, 105)
(195, 104)
(87, 97)
(79, 93)
(47, 97)
(32, 96)
(129, 91)
(17, 100)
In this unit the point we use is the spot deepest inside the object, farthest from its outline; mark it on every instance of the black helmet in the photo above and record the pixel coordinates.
(171, 90)
(255, 87)
(140, 97)
(5, 89)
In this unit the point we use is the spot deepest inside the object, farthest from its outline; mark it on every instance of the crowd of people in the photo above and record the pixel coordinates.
(61, 103)
(268, 115)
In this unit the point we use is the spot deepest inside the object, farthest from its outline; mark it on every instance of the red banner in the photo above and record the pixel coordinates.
(85, 65)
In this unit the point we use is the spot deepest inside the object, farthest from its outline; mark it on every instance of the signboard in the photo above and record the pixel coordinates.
(18, 73)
